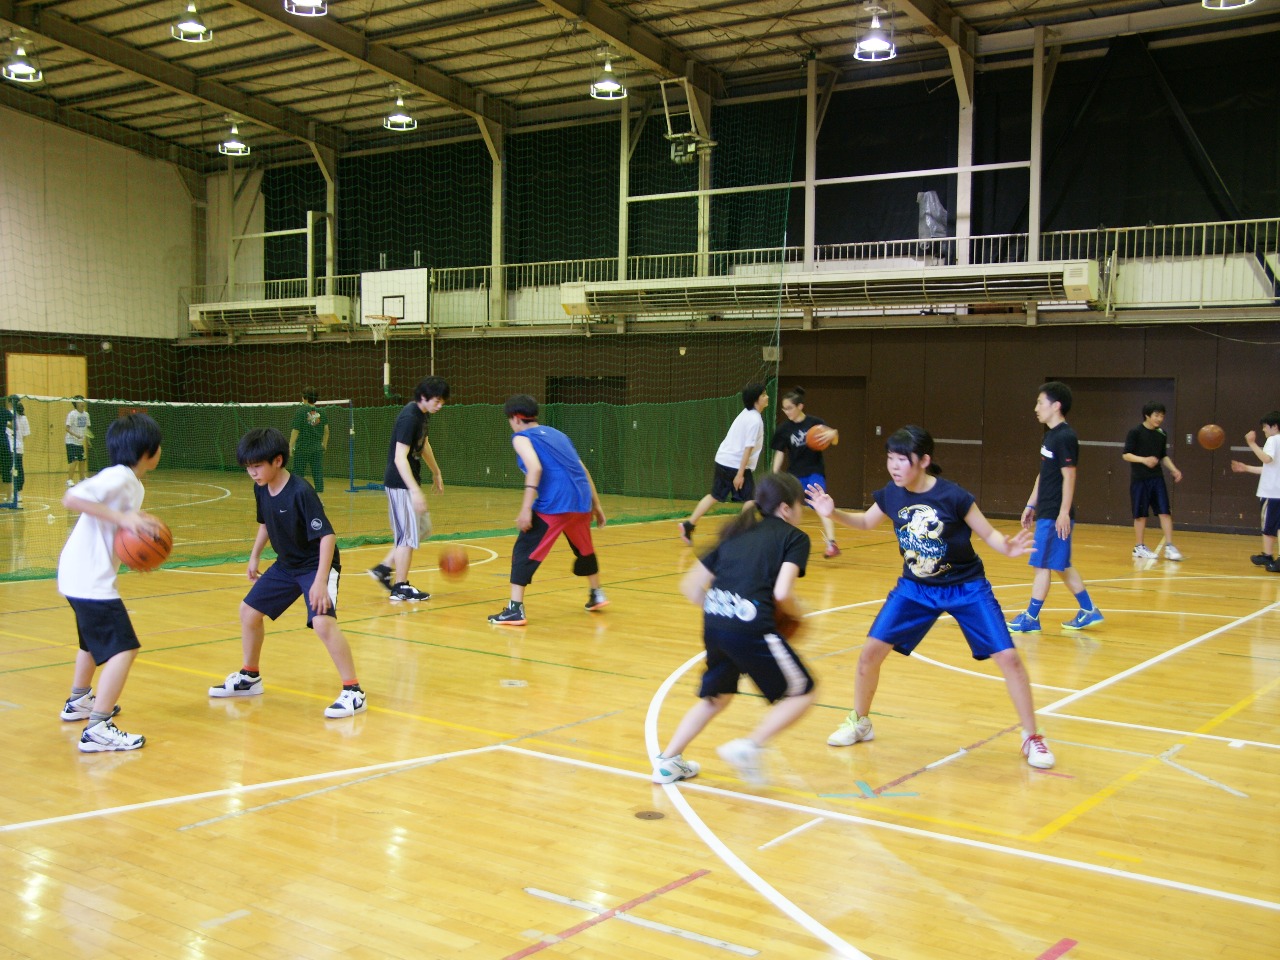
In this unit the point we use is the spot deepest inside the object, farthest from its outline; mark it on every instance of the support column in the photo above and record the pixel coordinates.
(624, 187)
(493, 138)
(810, 161)
(704, 211)
(964, 185)
(327, 161)
(1037, 146)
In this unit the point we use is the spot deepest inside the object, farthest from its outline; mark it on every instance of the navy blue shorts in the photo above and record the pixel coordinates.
(104, 628)
(1051, 551)
(913, 608)
(1149, 496)
(276, 589)
(1270, 517)
(722, 485)
(766, 658)
(75, 453)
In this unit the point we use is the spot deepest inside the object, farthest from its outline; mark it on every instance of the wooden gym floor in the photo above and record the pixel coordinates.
(494, 802)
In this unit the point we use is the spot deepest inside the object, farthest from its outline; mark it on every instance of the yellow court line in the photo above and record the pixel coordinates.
(1146, 766)
(23, 636)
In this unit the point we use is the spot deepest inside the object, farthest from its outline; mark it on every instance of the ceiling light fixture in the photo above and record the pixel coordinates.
(398, 119)
(608, 86)
(1224, 4)
(306, 8)
(877, 43)
(190, 28)
(233, 146)
(21, 67)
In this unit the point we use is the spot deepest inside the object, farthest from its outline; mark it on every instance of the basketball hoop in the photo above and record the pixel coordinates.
(379, 324)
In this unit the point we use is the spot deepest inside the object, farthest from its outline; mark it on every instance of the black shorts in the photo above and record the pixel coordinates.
(1149, 496)
(104, 628)
(1270, 517)
(276, 589)
(722, 485)
(766, 658)
(75, 453)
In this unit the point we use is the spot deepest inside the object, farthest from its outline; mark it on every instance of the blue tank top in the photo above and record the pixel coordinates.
(563, 487)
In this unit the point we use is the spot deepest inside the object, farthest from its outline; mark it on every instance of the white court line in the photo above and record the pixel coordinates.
(735, 863)
(790, 833)
(984, 676)
(1136, 668)
(493, 555)
(1235, 741)
(1167, 757)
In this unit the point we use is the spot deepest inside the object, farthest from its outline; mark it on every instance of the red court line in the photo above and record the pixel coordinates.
(608, 914)
(915, 773)
(1057, 950)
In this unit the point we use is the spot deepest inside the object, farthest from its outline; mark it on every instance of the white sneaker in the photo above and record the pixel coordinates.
(854, 730)
(348, 704)
(238, 685)
(1171, 552)
(1037, 752)
(79, 708)
(1140, 552)
(671, 769)
(747, 759)
(71, 483)
(106, 736)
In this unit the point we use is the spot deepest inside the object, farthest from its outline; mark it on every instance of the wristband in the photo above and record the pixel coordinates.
(529, 486)
(1031, 506)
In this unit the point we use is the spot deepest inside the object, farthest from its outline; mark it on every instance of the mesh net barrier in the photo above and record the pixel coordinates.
(94, 302)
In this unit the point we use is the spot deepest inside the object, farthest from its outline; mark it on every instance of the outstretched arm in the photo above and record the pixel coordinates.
(1014, 546)
(824, 506)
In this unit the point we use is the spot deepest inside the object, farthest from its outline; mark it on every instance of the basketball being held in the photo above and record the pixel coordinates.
(1211, 436)
(819, 437)
(144, 552)
(453, 562)
(787, 622)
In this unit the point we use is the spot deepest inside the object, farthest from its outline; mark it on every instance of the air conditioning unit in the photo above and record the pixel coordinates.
(270, 316)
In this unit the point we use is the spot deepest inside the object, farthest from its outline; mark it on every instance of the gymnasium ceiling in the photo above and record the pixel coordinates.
(298, 85)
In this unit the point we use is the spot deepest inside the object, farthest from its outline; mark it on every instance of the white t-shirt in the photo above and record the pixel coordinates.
(16, 437)
(77, 424)
(88, 566)
(747, 431)
(1269, 479)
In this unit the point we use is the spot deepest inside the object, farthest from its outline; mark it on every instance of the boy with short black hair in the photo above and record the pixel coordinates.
(309, 438)
(307, 565)
(1146, 449)
(77, 438)
(735, 459)
(1051, 508)
(559, 497)
(1268, 471)
(406, 505)
(87, 572)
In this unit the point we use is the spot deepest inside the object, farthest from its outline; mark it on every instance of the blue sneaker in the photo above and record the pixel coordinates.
(1084, 618)
(1024, 623)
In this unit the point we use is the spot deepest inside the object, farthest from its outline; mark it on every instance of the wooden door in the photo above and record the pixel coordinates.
(841, 402)
(46, 375)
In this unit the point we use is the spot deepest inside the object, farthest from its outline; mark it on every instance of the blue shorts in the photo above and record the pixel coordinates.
(1149, 496)
(913, 608)
(1270, 517)
(275, 590)
(104, 628)
(814, 478)
(766, 658)
(1052, 552)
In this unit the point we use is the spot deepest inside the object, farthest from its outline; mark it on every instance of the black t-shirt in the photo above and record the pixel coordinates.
(935, 542)
(295, 523)
(310, 422)
(1059, 450)
(746, 568)
(789, 438)
(410, 429)
(1144, 442)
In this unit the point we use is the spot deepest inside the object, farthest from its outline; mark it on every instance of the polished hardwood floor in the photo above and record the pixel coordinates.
(494, 801)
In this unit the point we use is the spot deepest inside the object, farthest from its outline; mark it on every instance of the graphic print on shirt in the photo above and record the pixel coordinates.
(920, 538)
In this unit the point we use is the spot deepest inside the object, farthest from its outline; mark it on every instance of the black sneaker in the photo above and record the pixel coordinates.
(686, 532)
(1261, 559)
(512, 615)
(596, 599)
(403, 593)
(382, 573)
(1274, 566)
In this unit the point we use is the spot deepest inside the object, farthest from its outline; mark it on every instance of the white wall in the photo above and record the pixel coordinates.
(94, 239)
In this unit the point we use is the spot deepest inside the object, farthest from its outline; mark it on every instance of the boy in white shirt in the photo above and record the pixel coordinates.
(87, 571)
(18, 432)
(77, 438)
(1268, 486)
(736, 458)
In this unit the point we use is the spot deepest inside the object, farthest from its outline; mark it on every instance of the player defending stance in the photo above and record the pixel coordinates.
(935, 520)
(406, 505)
(77, 439)
(1268, 486)
(741, 585)
(1052, 506)
(309, 438)
(307, 565)
(559, 497)
(1146, 448)
(735, 459)
(806, 464)
(87, 573)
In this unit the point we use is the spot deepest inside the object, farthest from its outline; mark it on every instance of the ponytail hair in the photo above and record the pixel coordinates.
(913, 441)
(772, 491)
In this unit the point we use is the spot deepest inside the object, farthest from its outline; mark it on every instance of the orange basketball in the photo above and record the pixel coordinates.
(785, 624)
(817, 438)
(146, 552)
(1211, 436)
(453, 562)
